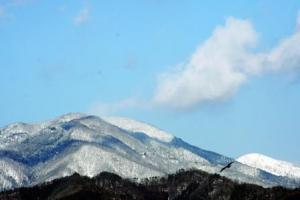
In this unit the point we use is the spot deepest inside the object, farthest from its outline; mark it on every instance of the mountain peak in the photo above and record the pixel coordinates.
(138, 126)
(71, 116)
(271, 165)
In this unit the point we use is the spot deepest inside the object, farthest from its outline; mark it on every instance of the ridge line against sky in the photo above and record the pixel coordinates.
(207, 72)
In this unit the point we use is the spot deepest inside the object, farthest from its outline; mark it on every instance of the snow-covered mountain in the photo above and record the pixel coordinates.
(136, 126)
(271, 165)
(35, 153)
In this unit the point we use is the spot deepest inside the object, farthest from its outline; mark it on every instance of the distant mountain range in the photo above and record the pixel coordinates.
(271, 165)
(31, 154)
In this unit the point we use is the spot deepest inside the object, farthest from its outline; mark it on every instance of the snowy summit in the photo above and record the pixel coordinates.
(139, 127)
(277, 167)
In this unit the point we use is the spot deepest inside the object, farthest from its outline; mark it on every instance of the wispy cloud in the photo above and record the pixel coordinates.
(82, 17)
(298, 21)
(20, 2)
(2, 11)
(5, 7)
(130, 63)
(222, 63)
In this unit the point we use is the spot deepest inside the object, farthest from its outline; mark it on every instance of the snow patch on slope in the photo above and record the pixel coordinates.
(277, 167)
(137, 126)
(12, 174)
(89, 160)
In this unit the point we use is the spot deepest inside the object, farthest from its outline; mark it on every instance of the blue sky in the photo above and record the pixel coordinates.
(224, 77)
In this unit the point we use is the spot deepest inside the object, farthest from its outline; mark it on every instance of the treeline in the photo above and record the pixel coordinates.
(190, 185)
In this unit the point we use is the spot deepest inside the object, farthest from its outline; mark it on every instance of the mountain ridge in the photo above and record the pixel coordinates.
(274, 166)
(88, 144)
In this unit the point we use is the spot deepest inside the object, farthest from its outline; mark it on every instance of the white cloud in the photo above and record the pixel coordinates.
(216, 70)
(286, 56)
(222, 64)
(82, 17)
(213, 71)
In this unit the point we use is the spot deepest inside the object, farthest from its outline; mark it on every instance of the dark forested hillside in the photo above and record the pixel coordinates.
(193, 184)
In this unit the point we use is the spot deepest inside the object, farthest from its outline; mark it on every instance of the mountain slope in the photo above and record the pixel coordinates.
(277, 167)
(35, 153)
